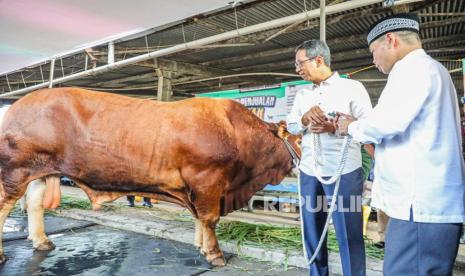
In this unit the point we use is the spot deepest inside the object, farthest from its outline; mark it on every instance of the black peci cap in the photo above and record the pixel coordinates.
(393, 23)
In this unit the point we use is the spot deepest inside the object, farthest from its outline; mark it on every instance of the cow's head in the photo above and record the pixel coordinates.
(292, 141)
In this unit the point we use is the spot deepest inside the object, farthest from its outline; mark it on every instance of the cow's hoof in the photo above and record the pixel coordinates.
(219, 261)
(45, 246)
(202, 252)
(2, 259)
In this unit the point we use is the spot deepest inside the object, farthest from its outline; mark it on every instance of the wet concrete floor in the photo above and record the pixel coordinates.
(96, 250)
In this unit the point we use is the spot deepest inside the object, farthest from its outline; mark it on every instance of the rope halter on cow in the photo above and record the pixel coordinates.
(295, 155)
(284, 135)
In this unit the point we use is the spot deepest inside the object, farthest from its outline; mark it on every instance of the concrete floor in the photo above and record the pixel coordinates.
(91, 249)
(98, 250)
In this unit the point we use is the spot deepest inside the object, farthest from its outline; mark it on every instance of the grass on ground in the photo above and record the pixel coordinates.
(287, 239)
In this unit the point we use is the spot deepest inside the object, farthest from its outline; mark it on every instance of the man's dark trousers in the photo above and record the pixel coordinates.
(347, 220)
(415, 248)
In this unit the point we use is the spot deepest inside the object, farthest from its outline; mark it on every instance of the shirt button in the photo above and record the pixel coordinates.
(319, 103)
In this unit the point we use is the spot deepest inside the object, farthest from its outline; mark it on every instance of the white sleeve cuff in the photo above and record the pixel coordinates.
(352, 129)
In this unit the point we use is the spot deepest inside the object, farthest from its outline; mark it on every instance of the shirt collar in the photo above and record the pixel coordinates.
(415, 54)
(331, 80)
(412, 55)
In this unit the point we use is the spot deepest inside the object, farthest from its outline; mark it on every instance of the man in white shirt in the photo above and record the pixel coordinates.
(419, 169)
(329, 93)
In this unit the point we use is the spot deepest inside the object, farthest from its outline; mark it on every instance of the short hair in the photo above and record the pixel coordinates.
(408, 37)
(314, 48)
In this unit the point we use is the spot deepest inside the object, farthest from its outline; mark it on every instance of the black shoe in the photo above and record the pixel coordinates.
(379, 245)
(130, 199)
(147, 204)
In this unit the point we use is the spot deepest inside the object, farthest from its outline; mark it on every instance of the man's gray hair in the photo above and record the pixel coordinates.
(314, 48)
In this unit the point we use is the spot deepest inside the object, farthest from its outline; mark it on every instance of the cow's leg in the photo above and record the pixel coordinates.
(5, 208)
(22, 203)
(35, 218)
(206, 189)
(199, 236)
(208, 209)
(210, 248)
(13, 185)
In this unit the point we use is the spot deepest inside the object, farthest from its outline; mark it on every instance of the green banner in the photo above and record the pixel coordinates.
(271, 103)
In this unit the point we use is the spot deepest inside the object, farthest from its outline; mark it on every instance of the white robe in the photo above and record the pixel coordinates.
(416, 127)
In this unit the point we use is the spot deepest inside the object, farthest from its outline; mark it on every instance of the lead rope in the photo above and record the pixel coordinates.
(317, 161)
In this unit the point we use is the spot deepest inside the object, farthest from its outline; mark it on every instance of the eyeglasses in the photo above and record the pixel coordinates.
(299, 63)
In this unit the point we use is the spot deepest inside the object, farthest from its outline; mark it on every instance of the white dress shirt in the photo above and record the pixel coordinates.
(419, 161)
(335, 94)
(3, 111)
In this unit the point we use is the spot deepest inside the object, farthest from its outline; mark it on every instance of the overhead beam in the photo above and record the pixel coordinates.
(177, 68)
(200, 71)
(179, 71)
(150, 75)
(445, 41)
(442, 14)
(184, 68)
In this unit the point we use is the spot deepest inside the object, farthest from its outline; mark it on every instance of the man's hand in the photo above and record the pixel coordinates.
(327, 126)
(343, 121)
(370, 148)
(314, 116)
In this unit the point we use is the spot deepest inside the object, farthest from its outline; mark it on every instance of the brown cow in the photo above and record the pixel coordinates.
(207, 155)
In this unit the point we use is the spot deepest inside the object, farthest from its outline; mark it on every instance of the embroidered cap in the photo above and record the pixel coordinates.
(393, 23)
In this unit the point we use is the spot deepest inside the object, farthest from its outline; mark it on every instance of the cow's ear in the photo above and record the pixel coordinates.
(282, 131)
(279, 129)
